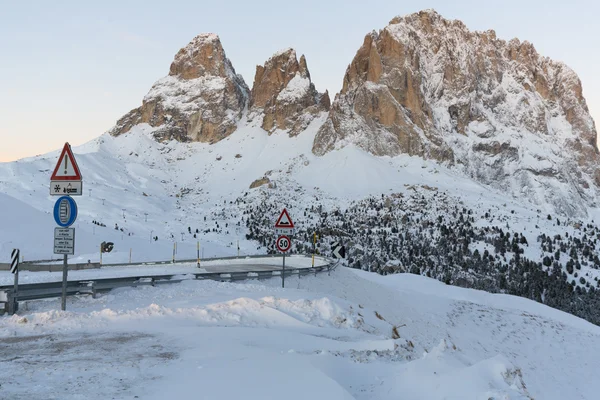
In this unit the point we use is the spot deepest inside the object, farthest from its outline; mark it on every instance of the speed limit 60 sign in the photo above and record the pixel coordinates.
(283, 243)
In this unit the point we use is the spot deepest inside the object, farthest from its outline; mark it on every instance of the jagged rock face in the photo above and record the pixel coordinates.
(201, 99)
(283, 94)
(497, 110)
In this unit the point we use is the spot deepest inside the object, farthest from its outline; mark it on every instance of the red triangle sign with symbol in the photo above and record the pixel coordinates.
(66, 169)
(284, 220)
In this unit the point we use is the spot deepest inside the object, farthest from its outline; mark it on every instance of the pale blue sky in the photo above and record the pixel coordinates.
(70, 69)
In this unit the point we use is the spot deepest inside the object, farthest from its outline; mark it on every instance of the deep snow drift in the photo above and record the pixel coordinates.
(351, 335)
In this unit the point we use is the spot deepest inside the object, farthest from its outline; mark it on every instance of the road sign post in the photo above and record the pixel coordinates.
(283, 244)
(284, 226)
(63, 299)
(64, 241)
(66, 180)
(14, 268)
(339, 250)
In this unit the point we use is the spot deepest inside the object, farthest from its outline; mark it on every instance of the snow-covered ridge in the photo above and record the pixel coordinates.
(289, 51)
(188, 95)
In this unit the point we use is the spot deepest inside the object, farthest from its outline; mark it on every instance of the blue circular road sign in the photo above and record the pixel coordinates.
(65, 211)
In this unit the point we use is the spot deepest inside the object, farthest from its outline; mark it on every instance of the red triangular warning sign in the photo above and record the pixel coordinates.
(284, 220)
(66, 169)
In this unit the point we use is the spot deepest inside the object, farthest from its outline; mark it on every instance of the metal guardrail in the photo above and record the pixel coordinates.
(35, 291)
(56, 265)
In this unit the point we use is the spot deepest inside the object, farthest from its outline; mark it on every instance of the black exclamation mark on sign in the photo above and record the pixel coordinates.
(66, 158)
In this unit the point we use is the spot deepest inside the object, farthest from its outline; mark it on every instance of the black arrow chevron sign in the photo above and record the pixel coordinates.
(14, 260)
(339, 251)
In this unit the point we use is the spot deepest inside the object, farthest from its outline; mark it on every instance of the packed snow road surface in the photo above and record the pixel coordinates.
(213, 266)
(351, 335)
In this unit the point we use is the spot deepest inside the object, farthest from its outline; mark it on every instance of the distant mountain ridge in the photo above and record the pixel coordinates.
(425, 86)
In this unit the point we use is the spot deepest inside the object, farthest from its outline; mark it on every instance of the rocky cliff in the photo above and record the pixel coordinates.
(497, 110)
(201, 99)
(283, 94)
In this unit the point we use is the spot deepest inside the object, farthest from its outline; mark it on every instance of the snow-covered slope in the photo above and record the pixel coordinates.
(186, 193)
(174, 186)
(351, 335)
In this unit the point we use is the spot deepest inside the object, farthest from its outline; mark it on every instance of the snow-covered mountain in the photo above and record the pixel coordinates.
(496, 110)
(283, 95)
(201, 99)
(205, 159)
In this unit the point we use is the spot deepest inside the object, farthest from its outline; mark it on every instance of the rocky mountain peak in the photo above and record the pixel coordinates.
(203, 56)
(303, 67)
(272, 77)
(201, 99)
(283, 94)
(497, 110)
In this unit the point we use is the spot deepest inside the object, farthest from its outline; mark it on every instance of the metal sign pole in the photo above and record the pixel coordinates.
(283, 273)
(66, 181)
(16, 291)
(63, 305)
(314, 248)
